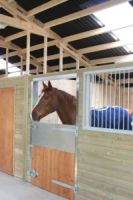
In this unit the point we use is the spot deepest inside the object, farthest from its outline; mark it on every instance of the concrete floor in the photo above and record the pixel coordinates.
(12, 188)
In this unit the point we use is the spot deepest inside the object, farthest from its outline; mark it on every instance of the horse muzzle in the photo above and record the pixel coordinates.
(35, 117)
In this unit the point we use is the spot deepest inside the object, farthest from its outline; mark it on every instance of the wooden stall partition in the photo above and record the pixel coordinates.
(6, 129)
(105, 163)
(20, 122)
(52, 164)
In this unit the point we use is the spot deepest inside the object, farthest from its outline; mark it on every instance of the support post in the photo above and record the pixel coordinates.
(21, 72)
(45, 55)
(77, 64)
(28, 53)
(7, 51)
(61, 59)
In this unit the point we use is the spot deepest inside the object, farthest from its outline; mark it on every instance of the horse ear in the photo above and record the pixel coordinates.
(44, 85)
(49, 85)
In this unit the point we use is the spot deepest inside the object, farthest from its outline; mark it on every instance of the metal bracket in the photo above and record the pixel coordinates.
(76, 131)
(33, 173)
(65, 185)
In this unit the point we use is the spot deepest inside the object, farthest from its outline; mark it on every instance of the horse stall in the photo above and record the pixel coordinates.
(53, 139)
(66, 117)
(105, 134)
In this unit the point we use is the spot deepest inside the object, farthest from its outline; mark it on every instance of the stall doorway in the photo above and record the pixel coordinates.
(6, 129)
(53, 138)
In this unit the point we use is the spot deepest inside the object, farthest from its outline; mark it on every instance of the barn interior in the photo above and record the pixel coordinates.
(50, 38)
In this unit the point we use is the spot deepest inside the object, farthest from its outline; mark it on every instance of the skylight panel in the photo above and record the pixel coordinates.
(11, 68)
(116, 17)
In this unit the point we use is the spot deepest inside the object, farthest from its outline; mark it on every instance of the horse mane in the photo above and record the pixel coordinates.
(70, 98)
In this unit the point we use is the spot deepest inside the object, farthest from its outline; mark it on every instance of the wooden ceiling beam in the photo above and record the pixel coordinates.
(117, 59)
(83, 13)
(102, 47)
(92, 33)
(15, 36)
(18, 23)
(44, 7)
(33, 48)
(33, 24)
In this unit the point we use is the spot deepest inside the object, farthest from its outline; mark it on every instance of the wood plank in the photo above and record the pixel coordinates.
(51, 165)
(6, 130)
(44, 7)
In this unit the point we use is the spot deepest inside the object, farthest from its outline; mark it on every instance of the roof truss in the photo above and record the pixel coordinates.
(22, 20)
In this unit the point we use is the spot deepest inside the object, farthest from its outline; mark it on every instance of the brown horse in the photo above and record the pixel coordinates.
(53, 100)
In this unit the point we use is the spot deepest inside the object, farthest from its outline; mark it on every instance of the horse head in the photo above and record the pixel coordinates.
(47, 103)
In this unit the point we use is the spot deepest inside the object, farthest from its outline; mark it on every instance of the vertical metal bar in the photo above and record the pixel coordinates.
(123, 98)
(98, 97)
(45, 55)
(88, 100)
(7, 50)
(37, 69)
(119, 99)
(61, 58)
(106, 98)
(110, 98)
(28, 53)
(115, 100)
(102, 98)
(91, 96)
(77, 64)
(128, 96)
(94, 100)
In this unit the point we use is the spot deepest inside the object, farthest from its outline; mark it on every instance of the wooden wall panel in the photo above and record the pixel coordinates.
(6, 129)
(53, 164)
(20, 147)
(105, 163)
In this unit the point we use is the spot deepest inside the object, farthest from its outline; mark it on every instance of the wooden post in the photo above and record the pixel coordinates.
(45, 55)
(28, 53)
(7, 50)
(21, 72)
(61, 59)
(77, 64)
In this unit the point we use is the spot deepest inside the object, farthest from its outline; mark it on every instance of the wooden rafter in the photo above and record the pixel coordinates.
(72, 53)
(75, 54)
(119, 59)
(83, 13)
(15, 36)
(102, 47)
(44, 7)
(91, 33)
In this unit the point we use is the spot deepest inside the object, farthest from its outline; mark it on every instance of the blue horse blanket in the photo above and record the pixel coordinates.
(111, 117)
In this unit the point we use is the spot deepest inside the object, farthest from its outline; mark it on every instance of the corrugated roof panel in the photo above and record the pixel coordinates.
(2, 51)
(66, 8)
(107, 53)
(77, 26)
(27, 5)
(9, 31)
(92, 41)
(4, 12)
(131, 2)
(65, 61)
(39, 53)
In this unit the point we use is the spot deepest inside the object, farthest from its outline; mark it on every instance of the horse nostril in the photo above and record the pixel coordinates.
(35, 117)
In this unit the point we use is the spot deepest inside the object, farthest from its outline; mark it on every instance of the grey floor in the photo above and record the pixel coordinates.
(12, 188)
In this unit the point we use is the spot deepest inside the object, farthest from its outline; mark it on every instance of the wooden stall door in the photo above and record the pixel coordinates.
(52, 164)
(6, 130)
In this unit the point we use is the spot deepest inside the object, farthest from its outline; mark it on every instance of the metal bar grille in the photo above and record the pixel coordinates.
(109, 100)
